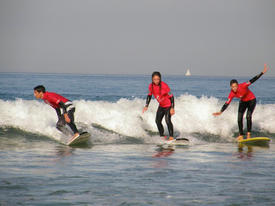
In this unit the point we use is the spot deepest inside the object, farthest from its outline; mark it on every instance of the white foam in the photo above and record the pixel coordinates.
(193, 115)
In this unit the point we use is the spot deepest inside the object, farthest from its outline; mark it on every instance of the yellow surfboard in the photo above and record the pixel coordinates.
(255, 141)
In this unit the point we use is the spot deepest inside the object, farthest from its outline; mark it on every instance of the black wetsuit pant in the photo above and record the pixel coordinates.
(250, 106)
(160, 114)
(61, 121)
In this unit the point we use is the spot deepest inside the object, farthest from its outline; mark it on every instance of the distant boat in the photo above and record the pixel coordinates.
(188, 73)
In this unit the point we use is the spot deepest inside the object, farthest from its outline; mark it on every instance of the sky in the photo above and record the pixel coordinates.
(211, 37)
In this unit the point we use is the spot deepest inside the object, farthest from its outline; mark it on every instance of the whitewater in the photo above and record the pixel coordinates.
(124, 118)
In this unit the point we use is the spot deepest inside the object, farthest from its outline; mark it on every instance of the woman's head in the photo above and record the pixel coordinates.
(156, 78)
(234, 85)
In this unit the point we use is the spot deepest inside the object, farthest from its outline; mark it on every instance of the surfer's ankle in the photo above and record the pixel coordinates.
(248, 135)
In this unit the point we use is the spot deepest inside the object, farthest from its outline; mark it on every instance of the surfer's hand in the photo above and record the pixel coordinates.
(266, 68)
(172, 111)
(217, 113)
(144, 109)
(67, 119)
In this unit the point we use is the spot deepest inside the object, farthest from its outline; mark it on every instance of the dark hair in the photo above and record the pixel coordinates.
(156, 74)
(233, 81)
(40, 88)
(159, 75)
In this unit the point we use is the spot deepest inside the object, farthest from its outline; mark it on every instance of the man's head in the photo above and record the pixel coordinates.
(39, 91)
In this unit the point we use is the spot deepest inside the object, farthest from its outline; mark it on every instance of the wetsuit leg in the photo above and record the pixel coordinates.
(250, 109)
(168, 122)
(60, 123)
(242, 108)
(159, 117)
(72, 124)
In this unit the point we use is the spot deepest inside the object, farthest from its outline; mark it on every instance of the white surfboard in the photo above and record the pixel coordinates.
(82, 138)
(180, 142)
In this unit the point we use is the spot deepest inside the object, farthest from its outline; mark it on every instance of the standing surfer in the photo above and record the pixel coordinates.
(161, 92)
(59, 102)
(247, 101)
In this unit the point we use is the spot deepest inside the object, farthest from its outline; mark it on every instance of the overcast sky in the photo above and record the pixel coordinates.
(211, 37)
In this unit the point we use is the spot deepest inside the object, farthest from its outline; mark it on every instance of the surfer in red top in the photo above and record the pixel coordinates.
(247, 101)
(58, 102)
(161, 92)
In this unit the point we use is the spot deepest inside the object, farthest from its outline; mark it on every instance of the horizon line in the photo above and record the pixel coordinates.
(117, 74)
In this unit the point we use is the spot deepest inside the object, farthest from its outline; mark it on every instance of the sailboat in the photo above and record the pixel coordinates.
(188, 73)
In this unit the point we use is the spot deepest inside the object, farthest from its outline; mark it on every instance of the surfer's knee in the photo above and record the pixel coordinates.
(158, 121)
(59, 124)
(168, 119)
(240, 117)
(248, 116)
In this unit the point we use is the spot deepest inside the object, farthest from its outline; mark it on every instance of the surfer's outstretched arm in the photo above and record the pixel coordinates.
(254, 79)
(224, 107)
(148, 99)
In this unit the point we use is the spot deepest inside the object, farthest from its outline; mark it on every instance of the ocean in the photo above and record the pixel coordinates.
(122, 164)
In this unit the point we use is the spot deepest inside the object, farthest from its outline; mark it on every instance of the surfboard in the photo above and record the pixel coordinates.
(82, 138)
(255, 141)
(179, 142)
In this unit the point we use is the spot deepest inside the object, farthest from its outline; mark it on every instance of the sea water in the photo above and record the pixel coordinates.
(122, 164)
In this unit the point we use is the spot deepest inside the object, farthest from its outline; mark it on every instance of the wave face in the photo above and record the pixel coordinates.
(114, 121)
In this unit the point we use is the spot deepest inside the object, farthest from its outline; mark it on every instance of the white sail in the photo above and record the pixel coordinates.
(188, 73)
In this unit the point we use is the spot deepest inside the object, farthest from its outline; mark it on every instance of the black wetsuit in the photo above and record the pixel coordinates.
(250, 106)
(163, 111)
(69, 109)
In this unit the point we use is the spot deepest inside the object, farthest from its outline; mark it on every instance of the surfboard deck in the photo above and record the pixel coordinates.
(82, 138)
(255, 141)
(180, 142)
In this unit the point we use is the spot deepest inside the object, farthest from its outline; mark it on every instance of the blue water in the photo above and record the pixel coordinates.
(122, 164)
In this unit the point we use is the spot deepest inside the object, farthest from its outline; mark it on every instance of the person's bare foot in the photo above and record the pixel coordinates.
(239, 138)
(171, 138)
(248, 136)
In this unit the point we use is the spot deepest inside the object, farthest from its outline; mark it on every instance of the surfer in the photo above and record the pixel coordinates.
(247, 101)
(58, 102)
(161, 92)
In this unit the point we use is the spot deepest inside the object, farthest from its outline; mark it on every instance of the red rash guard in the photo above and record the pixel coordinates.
(162, 95)
(53, 99)
(243, 93)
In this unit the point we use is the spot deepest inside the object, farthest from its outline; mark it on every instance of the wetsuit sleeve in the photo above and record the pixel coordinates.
(224, 107)
(172, 101)
(150, 90)
(148, 99)
(149, 96)
(230, 97)
(63, 106)
(254, 79)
